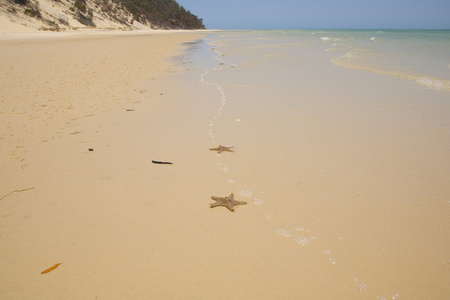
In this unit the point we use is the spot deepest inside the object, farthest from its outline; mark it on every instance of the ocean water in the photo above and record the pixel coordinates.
(343, 132)
(420, 56)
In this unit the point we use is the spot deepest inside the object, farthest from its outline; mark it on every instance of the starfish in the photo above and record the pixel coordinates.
(228, 202)
(222, 148)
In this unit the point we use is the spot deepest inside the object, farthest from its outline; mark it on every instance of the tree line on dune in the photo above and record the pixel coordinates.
(164, 13)
(167, 14)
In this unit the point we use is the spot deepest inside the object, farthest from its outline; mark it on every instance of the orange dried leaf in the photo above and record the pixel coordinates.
(50, 269)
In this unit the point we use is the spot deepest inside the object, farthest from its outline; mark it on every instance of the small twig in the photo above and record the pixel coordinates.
(161, 162)
(16, 191)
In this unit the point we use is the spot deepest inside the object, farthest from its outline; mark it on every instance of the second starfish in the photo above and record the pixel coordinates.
(228, 202)
(222, 149)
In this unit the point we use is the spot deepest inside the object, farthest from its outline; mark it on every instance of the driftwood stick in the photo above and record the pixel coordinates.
(16, 191)
(162, 162)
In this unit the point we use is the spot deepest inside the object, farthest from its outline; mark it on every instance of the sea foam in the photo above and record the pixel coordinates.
(302, 240)
(436, 83)
(283, 232)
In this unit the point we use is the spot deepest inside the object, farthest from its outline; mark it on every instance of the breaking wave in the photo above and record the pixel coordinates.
(352, 60)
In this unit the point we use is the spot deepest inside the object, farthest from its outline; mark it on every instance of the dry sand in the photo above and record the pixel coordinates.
(109, 211)
(124, 228)
(48, 80)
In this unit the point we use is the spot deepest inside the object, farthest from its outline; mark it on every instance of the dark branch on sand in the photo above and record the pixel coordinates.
(16, 191)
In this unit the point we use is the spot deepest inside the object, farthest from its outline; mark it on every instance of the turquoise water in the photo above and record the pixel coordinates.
(422, 57)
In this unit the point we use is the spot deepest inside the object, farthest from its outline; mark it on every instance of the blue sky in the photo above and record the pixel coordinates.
(343, 14)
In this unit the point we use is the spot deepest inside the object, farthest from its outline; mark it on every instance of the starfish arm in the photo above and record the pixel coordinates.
(229, 206)
(239, 202)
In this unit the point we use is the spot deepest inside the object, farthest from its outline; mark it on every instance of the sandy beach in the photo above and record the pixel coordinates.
(335, 207)
(60, 97)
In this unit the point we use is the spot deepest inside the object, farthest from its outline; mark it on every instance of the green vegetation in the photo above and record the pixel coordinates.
(159, 14)
(163, 13)
(32, 12)
(21, 2)
(81, 5)
(84, 15)
(86, 19)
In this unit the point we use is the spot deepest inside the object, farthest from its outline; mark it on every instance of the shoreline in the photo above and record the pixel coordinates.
(93, 33)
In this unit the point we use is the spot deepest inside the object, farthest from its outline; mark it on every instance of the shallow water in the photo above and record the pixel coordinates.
(344, 133)
(420, 56)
